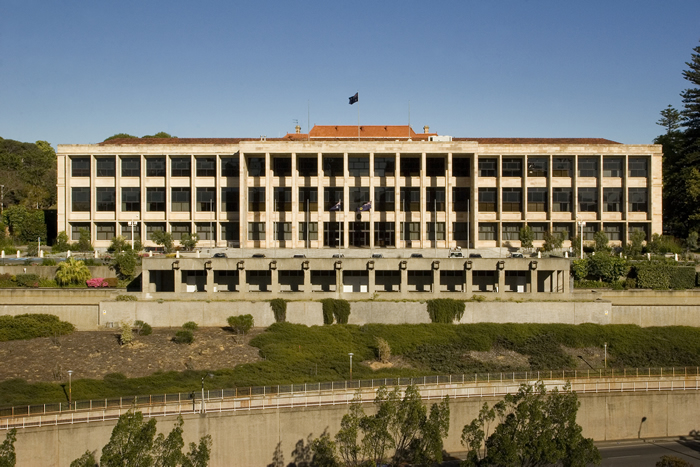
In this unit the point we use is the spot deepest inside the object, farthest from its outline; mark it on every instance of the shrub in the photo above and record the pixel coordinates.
(72, 271)
(125, 264)
(445, 310)
(478, 298)
(111, 282)
(142, 328)
(126, 298)
(47, 283)
(335, 309)
(241, 324)
(48, 262)
(27, 280)
(61, 244)
(30, 326)
(191, 325)
(683, 277)
(579, 268)
(184, 336)
(96, 282)
(33, 249)
(127, 335)
(279, 308)
(383, 349)
(83, 241)
(653, 275)
(586, 284)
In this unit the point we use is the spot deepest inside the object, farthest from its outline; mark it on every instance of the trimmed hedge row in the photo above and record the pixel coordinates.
(661, 275)
(32, 325)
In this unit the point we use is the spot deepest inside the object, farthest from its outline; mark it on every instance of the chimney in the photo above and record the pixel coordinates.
(298, 129)
(426, 129)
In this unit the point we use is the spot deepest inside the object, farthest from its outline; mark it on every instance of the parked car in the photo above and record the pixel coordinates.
(416, 255)
(377, 255)
(258, 255)
(338, 255)
(516, 255)
(474, 255)
(299, 256)
(456, 254)
(219, 255)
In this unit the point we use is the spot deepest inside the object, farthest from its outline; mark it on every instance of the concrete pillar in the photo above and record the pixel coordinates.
(468, 281)
(548, 283)
(436, 280)
(275, 283)
(403, 288)
(533, 281)
(177, 281)
(567, 281)
(145, 280)
(210, 281)
(241, 287)
(307, 280)
(370, 281)
(501, 281)
(338, 281)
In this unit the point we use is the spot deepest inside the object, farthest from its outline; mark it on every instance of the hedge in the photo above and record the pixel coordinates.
(32, 325)
(683, 277)
(661, 275)
(335, 309)
(445, 310)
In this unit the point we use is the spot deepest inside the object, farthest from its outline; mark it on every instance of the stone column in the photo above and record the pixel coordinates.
(177, 281)
(532, 285)
(566, 279)
(501, 281)
(274, 280)
(307, 281)
(403, 288)
(370, 281)
(146, 280)
(468, 278)
(436, 280)
(338, 281)
(210, 281)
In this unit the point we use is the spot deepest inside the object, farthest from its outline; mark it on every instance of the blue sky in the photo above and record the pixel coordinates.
(80, 71)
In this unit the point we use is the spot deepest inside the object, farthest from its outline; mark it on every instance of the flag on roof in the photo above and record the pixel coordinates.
(365, 207)
(337, 206)
(354, 98)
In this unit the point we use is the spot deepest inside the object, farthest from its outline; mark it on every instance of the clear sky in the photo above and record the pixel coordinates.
(80, 71)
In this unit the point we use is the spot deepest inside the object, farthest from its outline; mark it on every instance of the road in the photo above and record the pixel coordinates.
(643, 454)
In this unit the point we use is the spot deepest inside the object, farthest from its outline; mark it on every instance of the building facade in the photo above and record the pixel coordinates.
(367, 187)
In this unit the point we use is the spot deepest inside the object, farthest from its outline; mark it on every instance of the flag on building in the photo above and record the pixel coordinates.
(354, 98)
(337, 206)
(365, 207)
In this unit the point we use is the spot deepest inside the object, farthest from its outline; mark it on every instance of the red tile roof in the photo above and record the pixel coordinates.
(366, 131)
(538, 140)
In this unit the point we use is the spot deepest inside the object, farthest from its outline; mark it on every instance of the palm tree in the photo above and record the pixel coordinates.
(72, 271)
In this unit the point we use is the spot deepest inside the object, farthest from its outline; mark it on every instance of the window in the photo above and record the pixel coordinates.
(105, 198)
(562, 199)
(487, 231)
(537, 199)
(179, 229)
(487, 167)
(358, 166)
(563, 229)
(612, 199)
(589, 231)
(331, 197)
(333, 234)
(131, 166)
(512, 167)
(180, 199)
(410, 231)
(282, 198)
(206, 199)
(206, 167)
(430, 230)
(410, 166)
(588, 199)
(613, 231)
(256, 231)
(313, 230)
(639, 228)
(435, 167)
(487, 199)
(638, 167)
(155, 199)
(587, 166)
(410, 199)
(461, 166)
(131, 199)
(282, 166)
(152, 227)
(359, 234)
(206, 230)
(282, 230)
(384, 199)
(126, 230)
(256, 199)
(256, 166)
(612, 167)
(537, 166)
(460, 230)
(307, 167)
(180, 166)
(538, 230)
(230, 197)
(384, 166)
(76, 227)
(637, 199)
(80, 199)
(230, 166)
(308, 199)
(105, 167)
(358, 197)
(562, 166)
(104, 231)
(511, 231)
(460, 199)
(384, 234)
(512, 199)
(333, 167)
(434, 199)
(155, 167)
(80, 166)
(230, 231)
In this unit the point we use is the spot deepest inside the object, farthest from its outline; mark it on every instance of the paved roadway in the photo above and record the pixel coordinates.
(647, 453)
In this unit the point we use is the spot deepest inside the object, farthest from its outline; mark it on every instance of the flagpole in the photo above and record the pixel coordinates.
(358, 118)
(435, 224)
(468, 224)
(308, 234)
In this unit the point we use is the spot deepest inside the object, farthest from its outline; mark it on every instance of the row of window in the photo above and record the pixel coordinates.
(562, 199)
(180, 199)
(333, 166)
(511, 231)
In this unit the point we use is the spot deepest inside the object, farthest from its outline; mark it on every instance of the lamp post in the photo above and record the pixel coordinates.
(132, 224)
(38, 247)
(581, 225)
(606, 355)
(202, 409)
(350, 354)
(70, 387)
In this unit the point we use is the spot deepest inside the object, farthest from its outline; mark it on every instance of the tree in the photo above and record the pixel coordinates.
(346, 439)
(601, 241)
(189, 241)
(84, 243)
(61, 244)
(121, 136)
(692, 241)
(86, 460)
(606, 266)
(118, 244)
(576, 244)
(241, 324)
(553, 241)
(323, 451)
(691, 96)
(125, 264)
(72, 271)
(163, 238)
(160, 134)
(526, 237)
(535, 428)
(670, 119)
(634, 247)
(672, 461)
(8, 458)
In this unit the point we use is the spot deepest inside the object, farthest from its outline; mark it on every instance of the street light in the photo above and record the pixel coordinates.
(606, 355)
(70, 388)
(581, 225)
(202, 409)
(351, 354)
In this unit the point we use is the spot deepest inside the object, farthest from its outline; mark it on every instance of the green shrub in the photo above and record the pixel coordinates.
(683, 277)
(48, 262)
(191, 325)
(126, 298)
(579, 268)
(241, 324)
(653, 275)
(478, 298)
(111, 281)
(279, 308)
(184, 336)
(586, 284)
(335, 309)
(47, 283)
(143, 328)
(27, 280)
(72, 271)
(445, 310)
(127, 334)
(30, 326)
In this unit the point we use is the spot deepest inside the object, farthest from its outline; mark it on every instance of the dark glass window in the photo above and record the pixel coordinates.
(537, 199)
(384, 166)
(435, 167)
(638, 167)
(358, 166)
(487, 199)
(589, 231)
(104, 231)
(512, 167)
(461, 166)
(612, 167)
(588, 199)
(282, 197)
(131, 166)
(512, 199)
(152, 227)
(333, 235)
(180, 166)
(230, 198)
(613, 231)
(206, 230)
(410, 166)
(105, 166)
(230, 231)
(562, 167)
(256, 199)
(307, 167)
(331, 197)
(358, 197)
(432, 227)
(359, 235)
(282, 166)
(612, 199)
(131, 199)
(434, 199)
(460, 230)
(563, 229)
(206, 199)
(80, 199)
(313, 230)
(638, 199)
(333, 166)
(155, 167)
(410, 199)
(633, 228)
(487, 167)
(537, 166)
(256, 231)
(488, 231)
(80, 166)
(77, 227)
(178, 229)
(126, 230)
(538, 230)
(460, 199)
(587, 166)
(384, 199)
(180, 201)
(206, 167)
(230, 167)
(155, 199)
(282, 230)
(384, 234)
(105, 199)
(410, 231)
(562, 199)
(511, 231)
(308, 198)
(256, 166)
